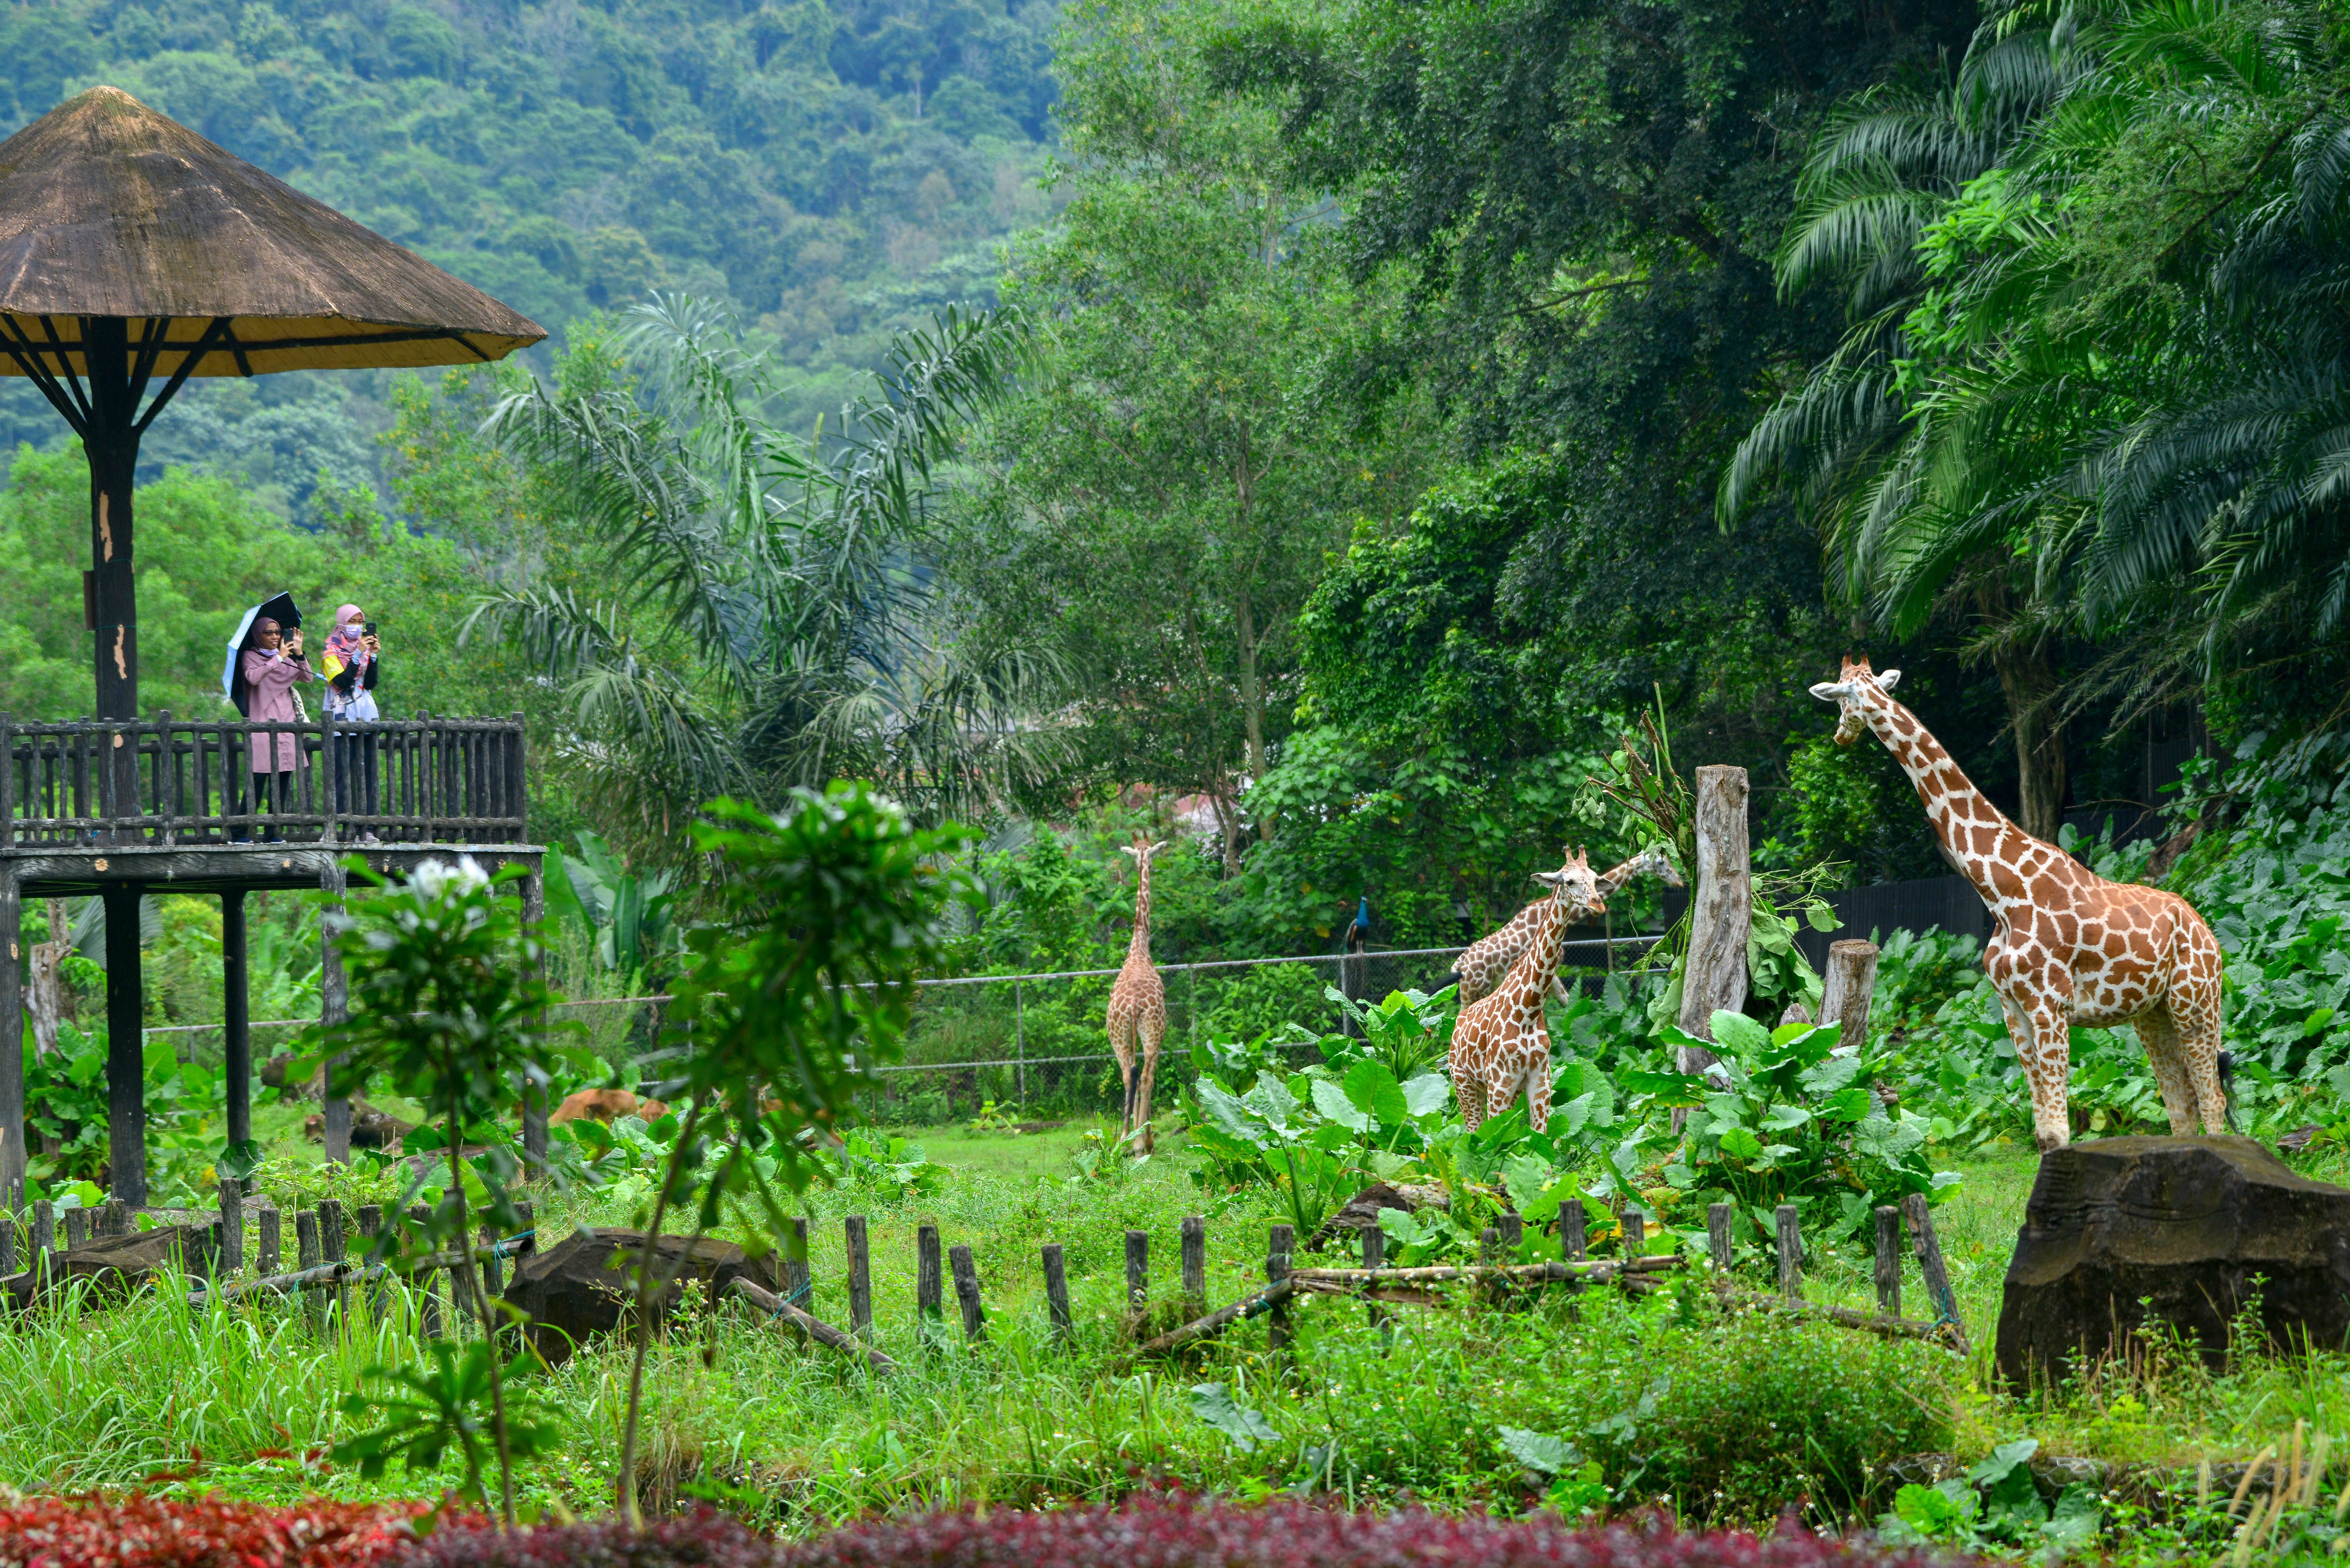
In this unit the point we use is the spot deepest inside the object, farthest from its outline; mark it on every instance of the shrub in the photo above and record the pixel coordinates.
(1176, 1531)
(703, 1538)
(205, 1532)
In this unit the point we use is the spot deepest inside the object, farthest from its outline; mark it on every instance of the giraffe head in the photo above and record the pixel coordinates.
(1855, 693)
(1575, 887)
(1142, 849)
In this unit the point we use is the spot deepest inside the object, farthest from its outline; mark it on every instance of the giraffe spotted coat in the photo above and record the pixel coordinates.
(1138, 1003)
(1500, 1042)
(1482, 964)
(2071, 948)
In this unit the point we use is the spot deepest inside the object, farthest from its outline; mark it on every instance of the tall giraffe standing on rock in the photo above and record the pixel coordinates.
(1482, 964)
(1138, 1003)
(2071, 948)
(1500, 1042)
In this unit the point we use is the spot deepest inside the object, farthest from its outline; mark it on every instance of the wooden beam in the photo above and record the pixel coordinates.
(11, 1038)
(126, 1051)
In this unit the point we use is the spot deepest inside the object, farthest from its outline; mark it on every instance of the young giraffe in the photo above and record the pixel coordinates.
(1484, 962)
(1500, 1042)
(1137, 1002)
(2071, 948)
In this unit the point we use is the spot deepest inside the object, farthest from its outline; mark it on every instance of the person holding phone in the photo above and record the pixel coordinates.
(350, 666)
(272, 664)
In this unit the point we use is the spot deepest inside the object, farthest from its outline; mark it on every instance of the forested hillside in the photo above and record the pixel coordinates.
(830, 171)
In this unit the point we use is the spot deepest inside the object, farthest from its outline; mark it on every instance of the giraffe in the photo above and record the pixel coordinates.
(1138, 1003)
(2071, 948)
(1484, 962)
(1500, 1042)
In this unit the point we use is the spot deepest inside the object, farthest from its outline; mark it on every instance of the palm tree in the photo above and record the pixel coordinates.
(780, 625)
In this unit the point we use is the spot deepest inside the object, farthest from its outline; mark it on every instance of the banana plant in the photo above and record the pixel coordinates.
(627, 916)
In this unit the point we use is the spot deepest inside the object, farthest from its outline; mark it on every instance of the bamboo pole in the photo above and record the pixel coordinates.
(816, 1328)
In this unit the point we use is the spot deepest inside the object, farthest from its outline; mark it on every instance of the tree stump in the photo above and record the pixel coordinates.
(2184, 1225)
(117, 1267)
(582, 1287)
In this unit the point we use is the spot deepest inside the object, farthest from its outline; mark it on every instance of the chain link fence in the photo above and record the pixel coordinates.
(1034, 1045)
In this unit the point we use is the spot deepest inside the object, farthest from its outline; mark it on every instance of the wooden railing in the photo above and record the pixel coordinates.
(166, 781)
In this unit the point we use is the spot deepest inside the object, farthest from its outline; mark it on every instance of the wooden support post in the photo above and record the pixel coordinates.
(929, 1289)
(270, 1256)
(1513, 1233)
(1791, 1251)
(1489, 1251)
(1929, 1262)
(370, 1218)
(126, 1051)
(1280, 1242)
(334, 1009)
(966, 1284)
(1717, 1234)
(1375, 1256)
(1195, 1265)
(1846, 990)
(1573, 1239)
(45, 1233)
(8, 1246)
(237, 1020)
(114, 1218)
(860, 1279)
(1057, 1292)
(1888, 1260)
(13, 1128)
(76, 1229)
(332, 1248)
(1636, 1233)
(425, 1282)
(798, 1281)
(231, 1224)
(1138, 1275)
(494, 1274)
(1721, 912)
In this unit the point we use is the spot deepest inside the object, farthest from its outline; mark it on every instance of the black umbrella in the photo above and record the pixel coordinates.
(281, 609)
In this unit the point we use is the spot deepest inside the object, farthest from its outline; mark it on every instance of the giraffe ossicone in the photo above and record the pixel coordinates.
(2071, 946)
(1137, 1003)
(1484, 962)
(1500, 1043)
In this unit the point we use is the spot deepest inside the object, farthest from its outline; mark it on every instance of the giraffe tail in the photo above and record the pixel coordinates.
(2227, 1089)
(1451, 977)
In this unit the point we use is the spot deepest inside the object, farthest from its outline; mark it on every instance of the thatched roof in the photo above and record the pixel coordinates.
(109, 208)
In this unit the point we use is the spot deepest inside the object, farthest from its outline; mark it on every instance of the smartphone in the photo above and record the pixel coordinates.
(371, 629)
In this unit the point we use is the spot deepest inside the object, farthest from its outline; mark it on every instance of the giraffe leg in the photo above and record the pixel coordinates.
(1469, 1090)
(1538, 1090)
(2193, 1005)
(1121, 1045)
(1502, 1090)
(1154, 1036)
(2158, 1033)
(2049, 1068)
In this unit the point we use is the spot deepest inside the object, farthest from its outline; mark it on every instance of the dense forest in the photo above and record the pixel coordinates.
(1326, 426)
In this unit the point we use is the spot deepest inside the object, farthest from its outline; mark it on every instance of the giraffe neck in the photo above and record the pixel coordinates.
(1140, 942)
(1953, 804)
(1529, 979)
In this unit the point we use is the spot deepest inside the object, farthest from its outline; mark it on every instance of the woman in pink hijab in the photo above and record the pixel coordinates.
(349, 667)
(272, 665)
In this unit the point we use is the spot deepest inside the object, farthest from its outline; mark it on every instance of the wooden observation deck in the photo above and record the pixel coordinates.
(121, 809)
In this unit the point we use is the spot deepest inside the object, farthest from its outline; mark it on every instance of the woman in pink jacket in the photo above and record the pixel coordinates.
(271, 664)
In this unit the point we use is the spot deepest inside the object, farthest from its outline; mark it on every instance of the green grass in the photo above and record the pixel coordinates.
(1723, 1421)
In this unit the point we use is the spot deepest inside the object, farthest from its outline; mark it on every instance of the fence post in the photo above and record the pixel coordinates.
(305, 1256)
(966, 1284)
(1888, 1260)
(7, 1245)
(1717, 1234)
(44, 1234)
(1791, 1253)
(1057, 1292)
(930, 1297)
(1930, 1263)
(76, 1229)
(272, 1251)
(334, 1010)
(1279, 1242)
(428, 1287)
(1721, 913)
(1636, 1233)
(797, 1278)
(860, 1279)
(1195, 1266)
(232, 1209)
(1138, 1276)
(1845, 988)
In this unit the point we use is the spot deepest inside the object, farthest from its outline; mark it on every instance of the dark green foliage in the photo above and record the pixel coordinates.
(445, 1405)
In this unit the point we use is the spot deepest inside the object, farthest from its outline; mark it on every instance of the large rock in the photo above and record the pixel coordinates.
(117, 1266)
(580, 1288)
(2192, 1228)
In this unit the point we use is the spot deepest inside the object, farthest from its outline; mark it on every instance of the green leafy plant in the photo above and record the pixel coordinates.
(453, 1402)
(627, 915)
(884, 1163)
(1995, 1504)
(828, 911)
(447, 1005)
